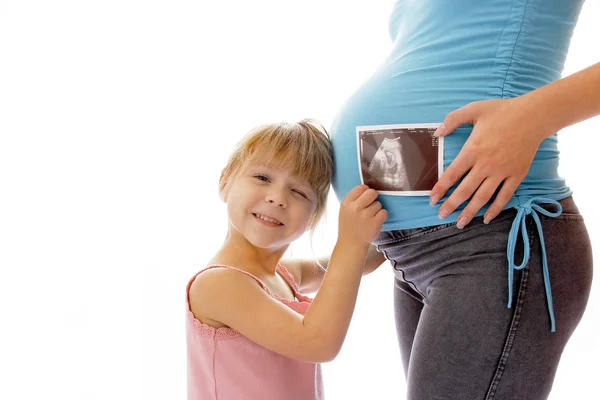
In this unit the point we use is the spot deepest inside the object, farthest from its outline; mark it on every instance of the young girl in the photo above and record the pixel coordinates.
(251, 334)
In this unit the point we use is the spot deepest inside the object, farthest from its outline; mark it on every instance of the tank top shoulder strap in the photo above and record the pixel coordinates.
(261, 284)
(289, 278)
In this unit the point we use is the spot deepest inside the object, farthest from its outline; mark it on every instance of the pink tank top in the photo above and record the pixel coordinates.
(225, 365)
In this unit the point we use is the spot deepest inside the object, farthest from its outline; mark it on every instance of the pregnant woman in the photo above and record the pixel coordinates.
(500, 227)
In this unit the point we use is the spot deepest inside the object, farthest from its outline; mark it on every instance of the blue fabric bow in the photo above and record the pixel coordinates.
(530, 207)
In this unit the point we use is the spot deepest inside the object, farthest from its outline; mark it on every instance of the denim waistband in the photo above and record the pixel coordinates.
(534, 207)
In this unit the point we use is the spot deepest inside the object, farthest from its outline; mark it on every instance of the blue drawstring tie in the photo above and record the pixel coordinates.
(530, 207)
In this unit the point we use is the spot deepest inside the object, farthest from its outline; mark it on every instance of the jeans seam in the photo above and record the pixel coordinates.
(393, 262)
(512, 332)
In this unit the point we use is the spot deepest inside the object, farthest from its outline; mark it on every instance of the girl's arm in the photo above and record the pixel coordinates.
(310, 273)
(237, 301)
(374, 260)
(505, 138)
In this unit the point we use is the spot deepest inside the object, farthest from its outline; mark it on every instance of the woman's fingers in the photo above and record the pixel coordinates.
(483, 194)
(456, 118)
(463, 162)
(463, 192)
(457, 169)
(504, 195)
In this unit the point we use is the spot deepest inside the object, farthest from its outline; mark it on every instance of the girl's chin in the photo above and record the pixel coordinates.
(261, 243)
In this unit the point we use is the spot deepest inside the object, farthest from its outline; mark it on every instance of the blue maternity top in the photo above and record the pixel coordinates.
(446, 54)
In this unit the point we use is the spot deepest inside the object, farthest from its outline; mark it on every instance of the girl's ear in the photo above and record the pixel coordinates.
(223, 187)
(224, 191)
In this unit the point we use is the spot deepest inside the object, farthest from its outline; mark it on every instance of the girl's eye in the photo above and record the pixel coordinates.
(261, 177)
(301, 193)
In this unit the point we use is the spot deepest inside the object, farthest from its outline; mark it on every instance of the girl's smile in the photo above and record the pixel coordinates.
(266, 220)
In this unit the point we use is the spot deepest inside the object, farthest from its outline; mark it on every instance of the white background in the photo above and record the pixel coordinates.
(115, 119)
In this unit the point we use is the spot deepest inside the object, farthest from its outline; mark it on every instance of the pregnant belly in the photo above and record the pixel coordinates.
(401, 98)
(411, 99)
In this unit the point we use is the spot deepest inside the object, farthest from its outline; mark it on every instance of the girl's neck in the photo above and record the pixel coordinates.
(238, 252)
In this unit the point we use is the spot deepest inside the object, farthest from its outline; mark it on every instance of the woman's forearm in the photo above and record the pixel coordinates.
(567, 101)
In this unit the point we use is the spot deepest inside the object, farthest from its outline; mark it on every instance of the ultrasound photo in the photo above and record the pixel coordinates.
(401, 160)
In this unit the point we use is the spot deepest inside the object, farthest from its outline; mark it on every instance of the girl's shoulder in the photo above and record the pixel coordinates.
(215, 271)
(217, 285)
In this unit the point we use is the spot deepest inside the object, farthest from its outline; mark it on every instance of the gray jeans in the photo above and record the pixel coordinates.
(458, 339)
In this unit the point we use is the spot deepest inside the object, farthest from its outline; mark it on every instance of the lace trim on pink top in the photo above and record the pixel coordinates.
(300, 304)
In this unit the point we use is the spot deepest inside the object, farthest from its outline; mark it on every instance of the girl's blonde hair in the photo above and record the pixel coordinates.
(304, 147)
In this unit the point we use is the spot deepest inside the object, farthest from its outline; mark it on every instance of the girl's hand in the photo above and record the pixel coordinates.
(361, 216)
(498, 154)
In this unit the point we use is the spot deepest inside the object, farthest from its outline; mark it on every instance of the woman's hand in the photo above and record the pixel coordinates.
(498, 154)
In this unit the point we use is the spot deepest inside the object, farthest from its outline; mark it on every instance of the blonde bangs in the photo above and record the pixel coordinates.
(300, 154)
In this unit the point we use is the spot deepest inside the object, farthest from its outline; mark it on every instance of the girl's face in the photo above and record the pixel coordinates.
(268, 206)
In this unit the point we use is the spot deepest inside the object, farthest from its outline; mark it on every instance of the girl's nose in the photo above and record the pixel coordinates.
(277, 198)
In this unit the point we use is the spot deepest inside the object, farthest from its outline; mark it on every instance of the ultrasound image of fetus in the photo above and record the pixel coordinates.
(387, 168)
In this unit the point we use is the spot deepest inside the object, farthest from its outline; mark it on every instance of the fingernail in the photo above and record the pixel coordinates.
(488, 218)
(434, 199)
(440, 130)
(443, 214)
(462, 222)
